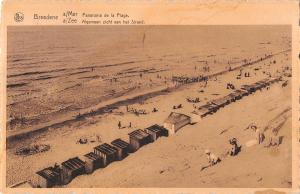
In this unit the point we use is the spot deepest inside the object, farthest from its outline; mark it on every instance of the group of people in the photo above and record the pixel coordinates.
(235, 148)
(272, 140)
(214, 159)
(136, 111)
(178, 106)
(230, 86)
(196, 100)
(246, 74)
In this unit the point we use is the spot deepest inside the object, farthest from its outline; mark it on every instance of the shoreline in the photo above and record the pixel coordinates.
(106, 106)
(186, 146)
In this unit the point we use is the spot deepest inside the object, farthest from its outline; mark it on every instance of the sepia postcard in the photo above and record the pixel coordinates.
(150, 97)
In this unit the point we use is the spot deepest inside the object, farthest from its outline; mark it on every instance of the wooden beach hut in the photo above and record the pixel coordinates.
(249, 88)
(221, 102)
(266, 81)
(241, 93)
(137, 139)
(107, 152)
(234, 96)
(156, 131)
(203, 111)
(176, 121)
(122, 148)
(273, 80)
(72, 168)
(195, 117)
(259, 85)
(263, 83)
(208, 108)
(92, 162)
(48, 177)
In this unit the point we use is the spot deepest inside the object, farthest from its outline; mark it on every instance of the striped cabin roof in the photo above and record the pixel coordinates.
(239, 92)
(260, 84)
(154, 128)
(106, 149)
(92, 156)
(73, 163)
(48, 173)
(247, 87)
(119, 143)
(220, 101)
(266, 80)
(139, 134)
(274, 79)
(204, 108)
(174, 118)
(233, 95)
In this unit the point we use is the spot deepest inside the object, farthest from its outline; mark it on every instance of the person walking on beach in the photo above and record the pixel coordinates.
(129, 124)
(119, 125)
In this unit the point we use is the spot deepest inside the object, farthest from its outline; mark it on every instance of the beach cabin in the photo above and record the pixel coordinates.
(175, 121)
(195, 117)
(203, 111)
(241, 93)
(156, 131)
(234, 96)
(72, 168)
(210, 107)
(220, 102)
(48, 177)
(264, 82)
(107, 152)
(92, 162)
(259, 85)
(137, 139)
(273, 80)
(249, 88)
(122, 148)
(227, 99)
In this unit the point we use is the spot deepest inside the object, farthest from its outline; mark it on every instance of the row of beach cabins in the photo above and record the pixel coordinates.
(118, 149)
(214, 105)
(100, 157)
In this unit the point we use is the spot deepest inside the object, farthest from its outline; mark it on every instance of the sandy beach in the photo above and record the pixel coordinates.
(49, 86)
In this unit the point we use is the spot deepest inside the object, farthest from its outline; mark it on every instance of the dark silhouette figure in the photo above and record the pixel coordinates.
(235, 149)
(154, 110)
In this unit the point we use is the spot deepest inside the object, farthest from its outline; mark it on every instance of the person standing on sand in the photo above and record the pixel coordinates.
(259, 135)
(119, 125)
(235, 149)
(129, 124)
